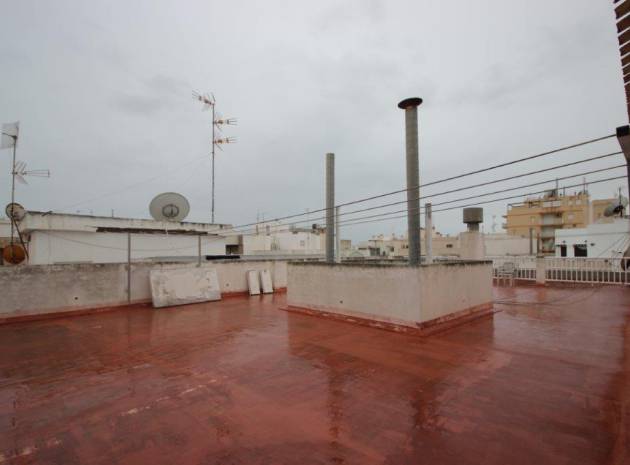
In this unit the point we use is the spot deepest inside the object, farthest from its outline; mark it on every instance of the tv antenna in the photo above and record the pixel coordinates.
(209, 102)
(9, 139)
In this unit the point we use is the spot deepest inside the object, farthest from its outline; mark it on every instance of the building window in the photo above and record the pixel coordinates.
(449, 246)
(532, 219)
(579, 250)
(563, 250)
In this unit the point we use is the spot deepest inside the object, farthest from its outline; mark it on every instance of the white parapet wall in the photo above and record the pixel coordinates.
(39, 290)
(394, 294)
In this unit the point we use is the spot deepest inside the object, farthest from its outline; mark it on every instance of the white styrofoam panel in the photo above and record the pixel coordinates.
(184, 286)
(265, 278)
(253, 282)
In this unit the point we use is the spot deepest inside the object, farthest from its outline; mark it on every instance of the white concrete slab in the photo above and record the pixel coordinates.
(265, 279)
(183, 286)
(253, 282)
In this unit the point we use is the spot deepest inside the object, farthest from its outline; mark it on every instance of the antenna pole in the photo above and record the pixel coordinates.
(13, 172)
(210, 101)
(213, 144)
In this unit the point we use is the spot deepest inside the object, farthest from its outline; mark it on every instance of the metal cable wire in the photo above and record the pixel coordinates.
(376, 207)
(349, 222)
(451, 178)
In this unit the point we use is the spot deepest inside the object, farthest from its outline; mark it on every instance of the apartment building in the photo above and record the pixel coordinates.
(540, 217)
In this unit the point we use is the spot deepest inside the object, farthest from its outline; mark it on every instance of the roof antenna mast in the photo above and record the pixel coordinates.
(209, 102)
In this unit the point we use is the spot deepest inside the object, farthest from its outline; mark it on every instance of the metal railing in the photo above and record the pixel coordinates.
(564, 269)
(523, 267)
(588, 270)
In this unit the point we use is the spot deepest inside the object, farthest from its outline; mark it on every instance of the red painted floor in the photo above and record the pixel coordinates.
(544, 381)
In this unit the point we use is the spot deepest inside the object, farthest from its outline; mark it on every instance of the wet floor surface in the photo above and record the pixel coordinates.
(544, 381)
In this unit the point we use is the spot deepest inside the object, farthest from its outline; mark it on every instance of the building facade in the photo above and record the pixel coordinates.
(54, 238)
(540, 217)
(608, 239)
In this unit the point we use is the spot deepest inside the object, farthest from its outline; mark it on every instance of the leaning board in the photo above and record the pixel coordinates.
(265, 279)
(184, 286)
(253, 282)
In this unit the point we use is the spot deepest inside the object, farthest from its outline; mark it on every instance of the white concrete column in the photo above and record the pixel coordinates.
(541, 270)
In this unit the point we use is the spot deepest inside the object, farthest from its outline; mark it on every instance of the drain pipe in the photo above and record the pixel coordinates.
(428, 233)
(410, 106)
(330, 208)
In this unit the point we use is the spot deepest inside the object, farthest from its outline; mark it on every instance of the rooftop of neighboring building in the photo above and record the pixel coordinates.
(36, 220)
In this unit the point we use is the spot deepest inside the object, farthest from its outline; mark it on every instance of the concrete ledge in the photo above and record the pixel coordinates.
(40, 290)
(426, 328)
(278, 290)
(71, 311)
(397, 295)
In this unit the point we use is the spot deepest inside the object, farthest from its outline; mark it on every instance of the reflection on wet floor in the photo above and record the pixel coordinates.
(544, 380)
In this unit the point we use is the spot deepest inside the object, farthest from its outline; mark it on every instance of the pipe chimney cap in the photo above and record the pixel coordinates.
(410, 102)
(473, 215)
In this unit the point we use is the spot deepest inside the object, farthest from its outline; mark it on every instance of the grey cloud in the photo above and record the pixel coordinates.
(303, 79)
(156, 93)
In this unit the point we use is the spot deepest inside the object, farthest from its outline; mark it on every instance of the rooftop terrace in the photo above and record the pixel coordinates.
(545, 380)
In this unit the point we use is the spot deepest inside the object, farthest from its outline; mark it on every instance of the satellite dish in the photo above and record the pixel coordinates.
(14, 254)
(169, 206)
(15, 211)
(616, 208)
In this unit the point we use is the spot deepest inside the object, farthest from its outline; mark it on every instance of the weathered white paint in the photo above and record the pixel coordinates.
(472, 246)
(265, 281)
(42, 289)
(602, 240)
(47, 248)
(65, 238)
(44, 221)
(180, 286)
(396, 294)
(500, 244)
(284, 240)
(253, 282)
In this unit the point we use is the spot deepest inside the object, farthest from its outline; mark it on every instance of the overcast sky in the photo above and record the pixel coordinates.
(103, 94)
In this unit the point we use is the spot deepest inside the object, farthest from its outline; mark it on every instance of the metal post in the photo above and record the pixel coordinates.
(337, 235)
(128, 267)
(213, 144)
(199, 250)
(330, 207)
(12, 220)
(428, 233)
(410, 106)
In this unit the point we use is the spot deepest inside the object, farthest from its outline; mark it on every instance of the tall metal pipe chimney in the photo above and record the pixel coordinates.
(330, 208)
(410, 106)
